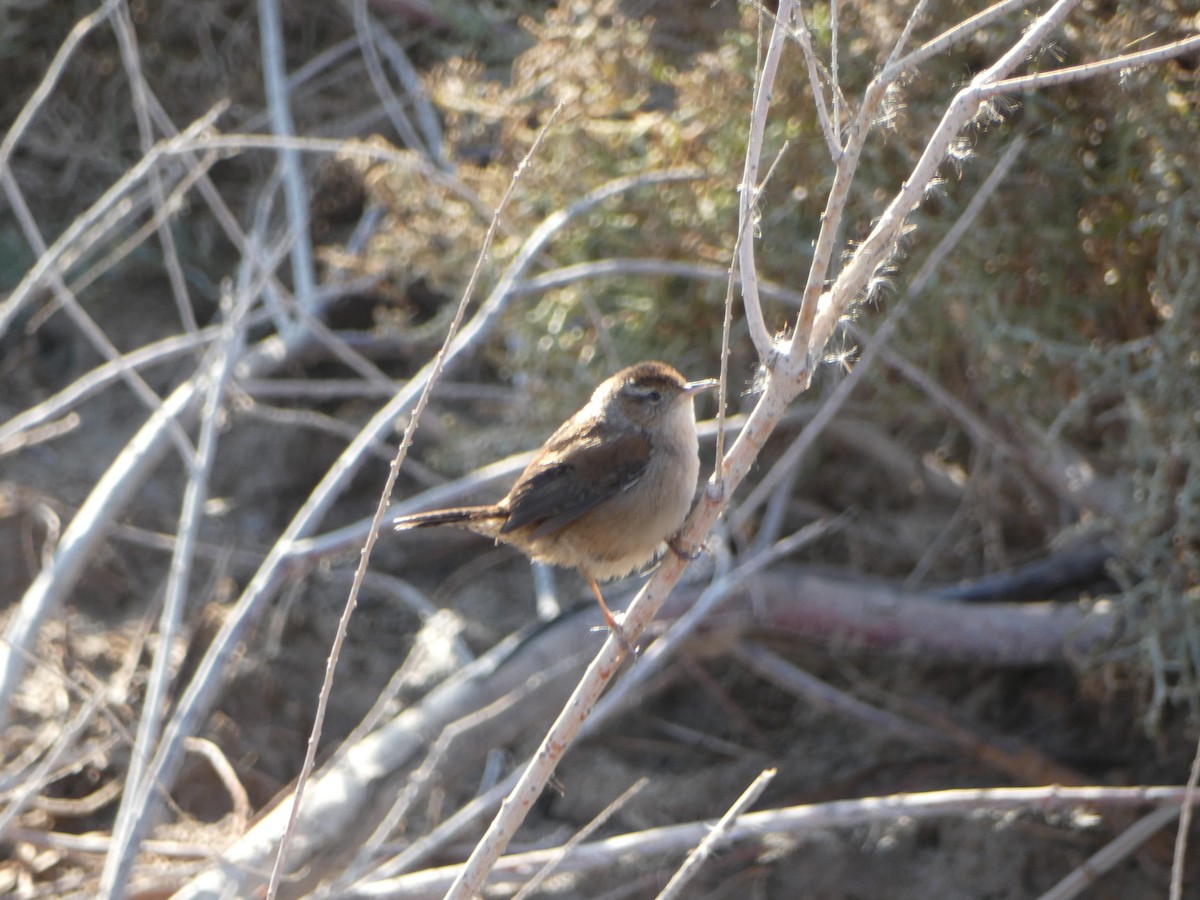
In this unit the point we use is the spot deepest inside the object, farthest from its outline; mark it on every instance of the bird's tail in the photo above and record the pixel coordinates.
(463, 516)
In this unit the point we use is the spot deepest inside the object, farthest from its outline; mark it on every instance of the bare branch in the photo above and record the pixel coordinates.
(748, 189)
(1121, 63)
(602, 855)
(716, 837)
(1112, 853)
(829, 128)
(385, 499)
(294, 189)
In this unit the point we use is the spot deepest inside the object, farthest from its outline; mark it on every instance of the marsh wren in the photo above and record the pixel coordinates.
(608, 489)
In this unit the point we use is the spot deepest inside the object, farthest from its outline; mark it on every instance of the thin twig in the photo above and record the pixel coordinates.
(49, 82)
(295, 193)
(534, 883)
(1185, 825)
(281, 558)
(716, 837)
(127, 42)
(427, 115)
(131, 815)
(748, 189)
(796, 820)
(83, 233)
(877, 343)
(385, 500)
(1137, 60)
(364, 30)
(918, 13)
(1114, 852)
(35, 780)
(829, 129)
(883, 237)
(956, 34)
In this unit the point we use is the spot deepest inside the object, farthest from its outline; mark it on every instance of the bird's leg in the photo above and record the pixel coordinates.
(609, 620)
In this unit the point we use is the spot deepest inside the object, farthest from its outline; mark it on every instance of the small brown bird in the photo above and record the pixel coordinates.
(609, 487)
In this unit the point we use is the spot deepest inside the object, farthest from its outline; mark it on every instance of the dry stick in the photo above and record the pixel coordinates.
(127, 43)
(239, 800)
(101, 377)
(828, 129)
(485, 725)
(49, 81)
(962, 109)
(835, 88)
(796, 820)
(1136, 60)
(364, 31)
(910, 23)
(563, 852)
(385, 500)
(781, 387)
(629, 266)
(716, 836)
(37, 779)
(277, 565)
(88, 326)
(748, 189)
(295, 194)
(771, 667)
(750, 300)
(82, 234)
(730, 471)
(1113, 853)
(1185, 825)
(655, 658)
(31, 438)
(750, 293)
(99, 843)
(955, 34)
(878, 340)
(880, 242)
(410, 78)
(131, 817)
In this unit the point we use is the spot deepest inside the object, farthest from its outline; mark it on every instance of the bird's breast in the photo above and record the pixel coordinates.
(628, 530)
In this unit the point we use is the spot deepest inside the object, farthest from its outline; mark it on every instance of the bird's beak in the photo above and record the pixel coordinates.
(695, 387)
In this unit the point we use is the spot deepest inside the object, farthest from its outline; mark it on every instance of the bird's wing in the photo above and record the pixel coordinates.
(575, 477)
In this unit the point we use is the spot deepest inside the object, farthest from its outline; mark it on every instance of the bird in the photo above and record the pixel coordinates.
(608, 490)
